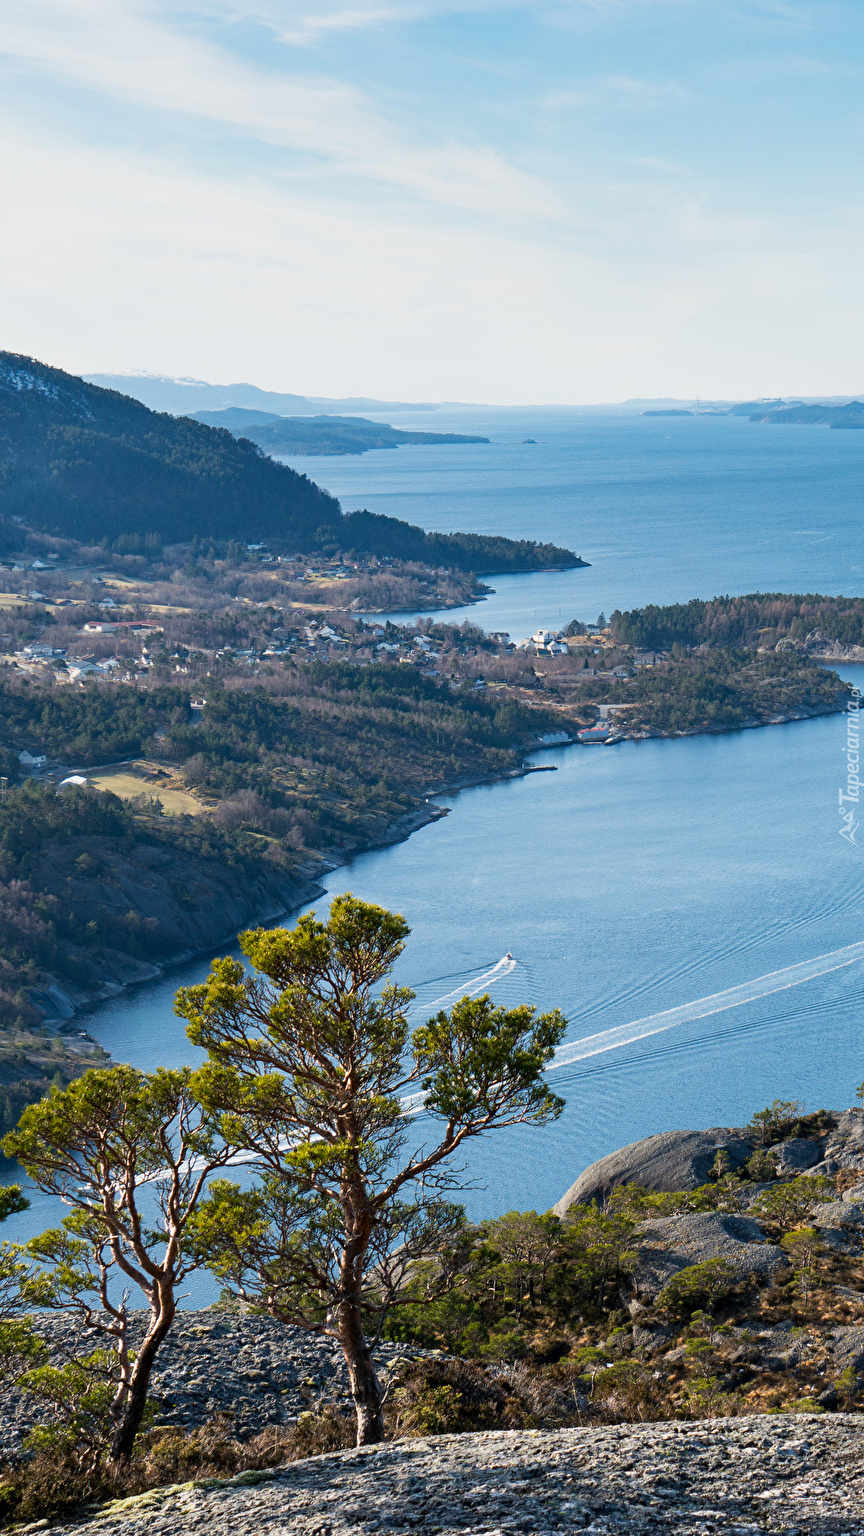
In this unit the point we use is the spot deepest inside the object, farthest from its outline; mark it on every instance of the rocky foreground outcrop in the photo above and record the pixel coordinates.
(787, 1474)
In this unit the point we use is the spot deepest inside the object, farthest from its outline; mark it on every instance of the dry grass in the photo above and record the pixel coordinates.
(129, 785)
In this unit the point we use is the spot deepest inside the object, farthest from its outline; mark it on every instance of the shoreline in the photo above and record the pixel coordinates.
(397, 831)
(725, 730)
(477, 597)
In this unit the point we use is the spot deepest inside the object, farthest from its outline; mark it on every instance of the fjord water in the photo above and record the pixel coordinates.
(638, 877)
(664, 508)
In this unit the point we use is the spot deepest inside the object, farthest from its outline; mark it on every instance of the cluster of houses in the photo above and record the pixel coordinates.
(544, 642)
(119, 626)
(71, 668)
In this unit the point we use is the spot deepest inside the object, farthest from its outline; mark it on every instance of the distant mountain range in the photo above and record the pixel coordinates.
(298, 435)
(91, 464)
(186, 397)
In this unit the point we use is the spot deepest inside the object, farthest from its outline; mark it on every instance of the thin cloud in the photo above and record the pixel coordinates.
(317, 27)
(795, 66)
(116, 48)
(296, 24)
(617, 91)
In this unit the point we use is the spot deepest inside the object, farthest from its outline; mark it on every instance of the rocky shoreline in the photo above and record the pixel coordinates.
(725, 730)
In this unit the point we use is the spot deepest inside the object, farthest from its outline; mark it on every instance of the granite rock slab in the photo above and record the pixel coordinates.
(796, 1475)
(670, 1161)
(670, 1243)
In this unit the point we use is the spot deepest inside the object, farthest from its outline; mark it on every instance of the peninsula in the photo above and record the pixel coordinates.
(181, 766)
(835, 416)
(300, 435)
(88, 464)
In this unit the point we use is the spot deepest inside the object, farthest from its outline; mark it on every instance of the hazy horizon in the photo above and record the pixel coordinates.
(570, 201)
(114, 380)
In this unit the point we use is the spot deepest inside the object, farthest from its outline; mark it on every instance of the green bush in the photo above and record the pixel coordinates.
(698, 1286)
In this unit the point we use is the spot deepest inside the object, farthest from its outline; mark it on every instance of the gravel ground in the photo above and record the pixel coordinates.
(253, 1369)
(797, 1475)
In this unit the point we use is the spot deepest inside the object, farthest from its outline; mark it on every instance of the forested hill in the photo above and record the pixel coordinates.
(323, 434)
(91, 464)
(757, 619)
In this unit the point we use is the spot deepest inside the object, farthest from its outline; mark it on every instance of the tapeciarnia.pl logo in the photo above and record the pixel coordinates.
(849, 798)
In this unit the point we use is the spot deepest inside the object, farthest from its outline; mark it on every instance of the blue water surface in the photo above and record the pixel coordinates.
(664, 508)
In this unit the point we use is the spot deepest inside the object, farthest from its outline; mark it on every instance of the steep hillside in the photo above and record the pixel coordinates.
(91, 464)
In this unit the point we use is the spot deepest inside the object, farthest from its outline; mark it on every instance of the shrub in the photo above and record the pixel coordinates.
(698, 1285)
(787, 1204)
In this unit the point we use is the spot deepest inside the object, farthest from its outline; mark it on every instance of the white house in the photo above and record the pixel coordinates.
(28, 760)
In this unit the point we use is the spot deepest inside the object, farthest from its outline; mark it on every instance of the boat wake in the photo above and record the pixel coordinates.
(479, 984)
(718, 1002)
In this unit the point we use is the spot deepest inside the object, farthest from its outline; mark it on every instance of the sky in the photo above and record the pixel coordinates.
(549, 201)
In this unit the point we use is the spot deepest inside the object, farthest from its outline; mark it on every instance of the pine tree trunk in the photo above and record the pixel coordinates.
(132, 1414)
(365, 1386)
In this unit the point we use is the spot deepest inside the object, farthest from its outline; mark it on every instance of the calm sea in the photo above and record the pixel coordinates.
(639, 877)
(664, 508)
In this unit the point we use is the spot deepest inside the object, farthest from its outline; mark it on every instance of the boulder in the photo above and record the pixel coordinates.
(848, 1348)
(671, 1243)
(840, 1239)
(796, 1155)
(653, 1336)
(838, 1213)
(845, 1143)
(670, 1161)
